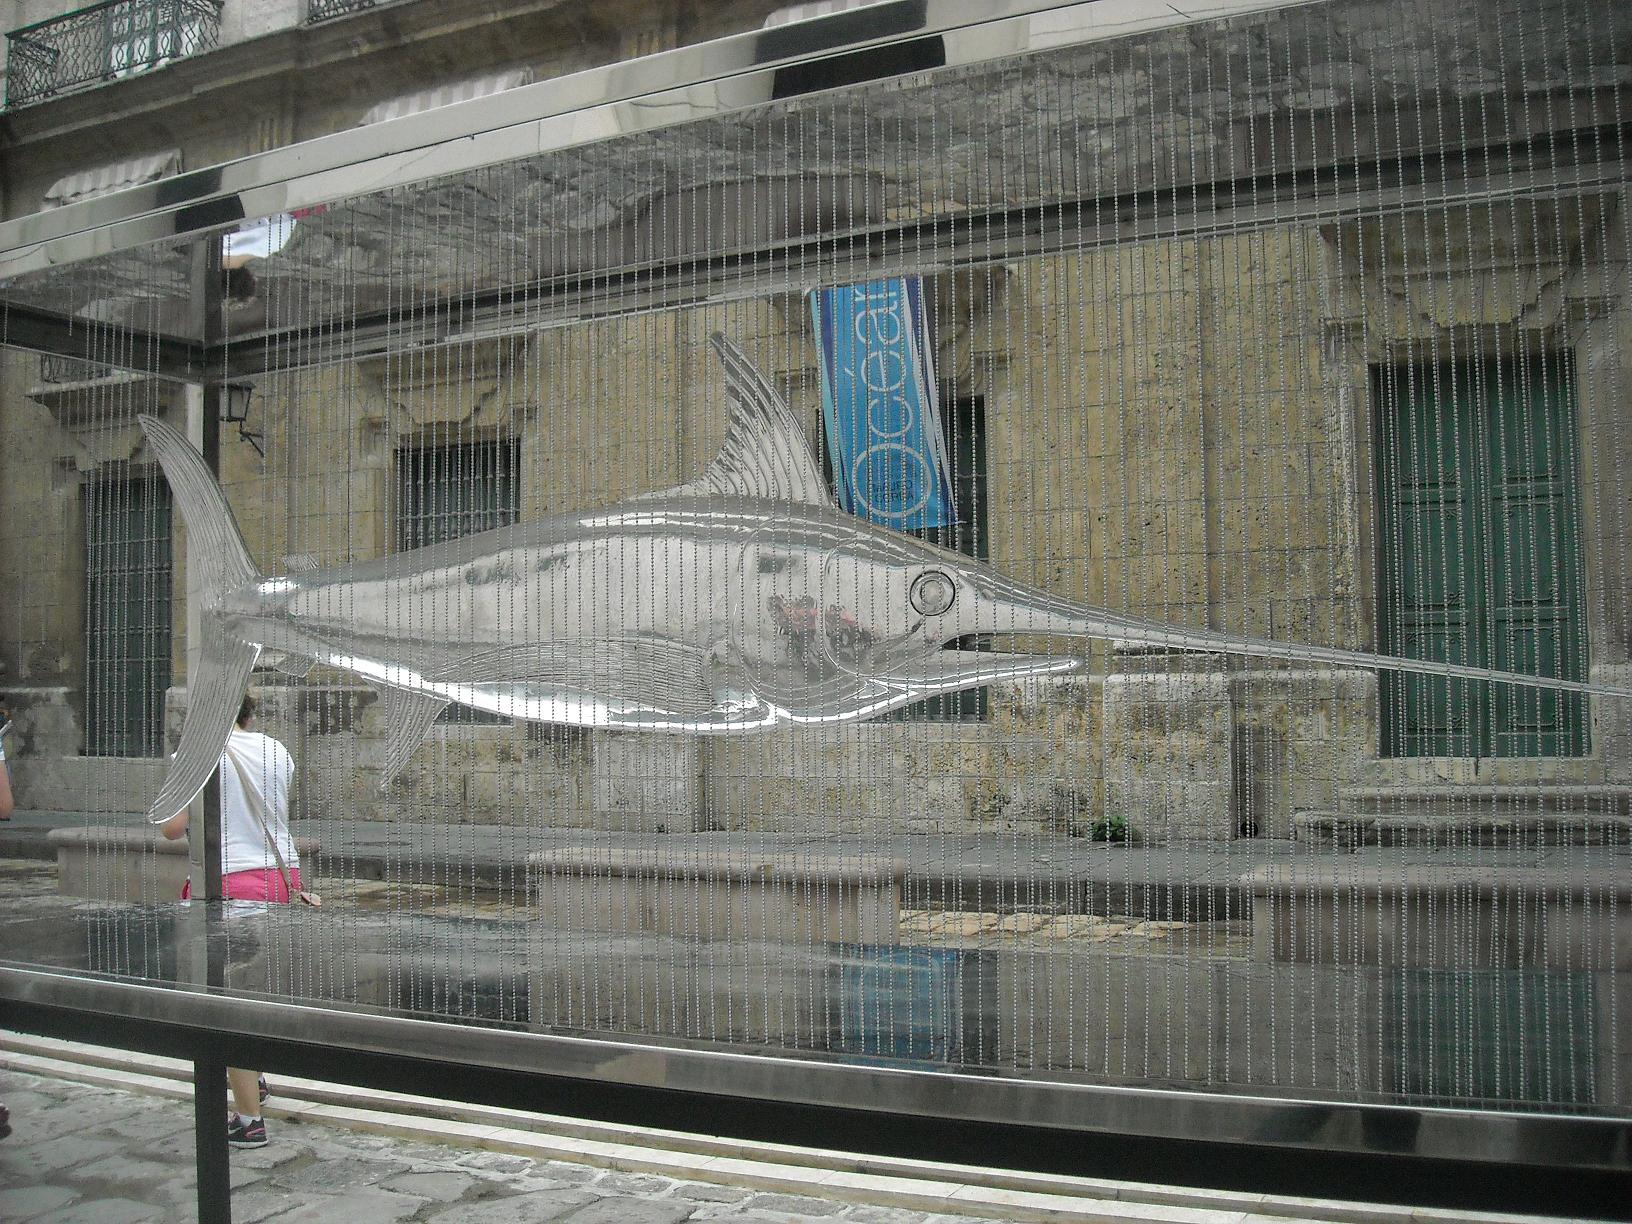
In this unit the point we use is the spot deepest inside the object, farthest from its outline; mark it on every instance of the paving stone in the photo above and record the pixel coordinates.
(571, 1174)
(102, 1211)
(423, 1157)
(367, 1205)
(614, 1182)
(339, 1175)
(867, 1213)
(119, 1169)
(439, 1185)
(798, 1204)
(23, 1101)
(496, 1162)
(703, 1192)
(26, 1202)
(623, 1210)
(265, 1201)
(154, 1123)
(183, 1192)
(66, 1117)
(63, 1153)
(272, 1156)
(536, 1207)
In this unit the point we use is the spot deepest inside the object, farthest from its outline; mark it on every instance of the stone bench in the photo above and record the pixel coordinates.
(129, 863)
(1440, 915)
(719, 895)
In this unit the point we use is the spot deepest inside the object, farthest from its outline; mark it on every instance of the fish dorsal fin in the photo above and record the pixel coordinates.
(765, 453)
(408, 716)
(299, 563)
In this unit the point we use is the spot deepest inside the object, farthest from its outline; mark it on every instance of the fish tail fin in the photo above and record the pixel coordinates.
(222, 564)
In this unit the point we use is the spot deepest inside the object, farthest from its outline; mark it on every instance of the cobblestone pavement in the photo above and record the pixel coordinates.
(89, 1155)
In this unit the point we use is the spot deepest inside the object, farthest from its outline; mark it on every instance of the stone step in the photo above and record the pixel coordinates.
(1462, 801)
(1463, 825)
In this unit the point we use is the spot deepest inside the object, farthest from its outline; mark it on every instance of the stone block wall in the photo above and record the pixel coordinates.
(1169, 740)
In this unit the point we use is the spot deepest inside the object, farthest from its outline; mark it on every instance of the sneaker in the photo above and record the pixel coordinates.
(246, 1134)
(260, 1086)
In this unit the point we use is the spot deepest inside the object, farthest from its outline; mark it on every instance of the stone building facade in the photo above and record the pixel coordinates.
(1188, 427)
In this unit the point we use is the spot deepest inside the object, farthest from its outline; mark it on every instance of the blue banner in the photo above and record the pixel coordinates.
(879, 403)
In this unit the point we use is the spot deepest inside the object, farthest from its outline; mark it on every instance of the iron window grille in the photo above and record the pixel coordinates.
(452, 490)
(127, 612)
(105, 42)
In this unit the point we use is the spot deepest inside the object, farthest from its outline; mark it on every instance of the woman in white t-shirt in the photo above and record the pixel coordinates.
(249, 866)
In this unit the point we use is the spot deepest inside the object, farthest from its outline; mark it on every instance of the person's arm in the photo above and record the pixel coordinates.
(176, 826)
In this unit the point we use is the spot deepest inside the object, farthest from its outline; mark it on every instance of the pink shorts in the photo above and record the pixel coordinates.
(256, 884)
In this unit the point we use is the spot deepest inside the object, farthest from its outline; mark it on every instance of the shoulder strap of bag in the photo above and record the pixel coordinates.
(257, 805)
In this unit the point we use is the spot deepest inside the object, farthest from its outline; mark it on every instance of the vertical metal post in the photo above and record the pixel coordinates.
(209, 1073)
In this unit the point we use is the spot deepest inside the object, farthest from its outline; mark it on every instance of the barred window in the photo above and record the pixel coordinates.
(127, 613)
(451, 490)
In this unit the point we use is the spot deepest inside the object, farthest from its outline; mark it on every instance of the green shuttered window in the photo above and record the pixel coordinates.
(1480, 554)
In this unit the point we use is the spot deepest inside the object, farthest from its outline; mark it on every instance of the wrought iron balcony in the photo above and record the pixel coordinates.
(322, 10)
(104, 42)
(56, 370)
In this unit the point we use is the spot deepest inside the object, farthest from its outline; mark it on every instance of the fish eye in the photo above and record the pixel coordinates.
(932, 592)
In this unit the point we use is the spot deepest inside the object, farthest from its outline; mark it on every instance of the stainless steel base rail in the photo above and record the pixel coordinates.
(1547, 1163)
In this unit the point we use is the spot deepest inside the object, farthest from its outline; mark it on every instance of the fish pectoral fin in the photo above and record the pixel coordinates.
(299, 563)
(948, 671)
(288, 664)
(408, 716)
(635, 671)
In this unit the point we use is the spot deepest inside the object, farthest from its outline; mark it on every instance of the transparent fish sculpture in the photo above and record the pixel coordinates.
(742, 601)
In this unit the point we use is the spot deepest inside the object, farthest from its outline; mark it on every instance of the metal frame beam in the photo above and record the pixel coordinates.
(45, 331)
(671, 87)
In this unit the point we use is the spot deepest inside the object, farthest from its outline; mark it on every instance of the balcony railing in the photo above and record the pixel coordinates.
(104, 42)
(322, 10)
(57, 370)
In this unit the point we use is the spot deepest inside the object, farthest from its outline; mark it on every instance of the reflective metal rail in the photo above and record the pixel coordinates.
(1546, 1163)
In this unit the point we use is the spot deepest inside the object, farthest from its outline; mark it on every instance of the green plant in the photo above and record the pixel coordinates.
(1110, 829)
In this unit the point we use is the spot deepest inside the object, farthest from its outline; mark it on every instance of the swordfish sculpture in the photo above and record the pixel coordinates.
(742, 601)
